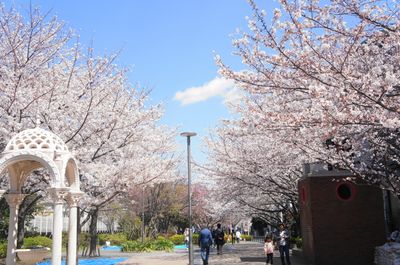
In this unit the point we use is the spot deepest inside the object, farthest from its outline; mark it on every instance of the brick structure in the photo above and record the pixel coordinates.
(341, 221)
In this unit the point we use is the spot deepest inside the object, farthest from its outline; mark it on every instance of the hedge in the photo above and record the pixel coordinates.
(246, 237)
(148, 246)
(195, 238)
(177, 239)
(115, 239)
(299, 242)
(3, 249)
(37, 241)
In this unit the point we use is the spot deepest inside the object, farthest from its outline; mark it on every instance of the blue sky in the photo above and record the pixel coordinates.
(168, 44)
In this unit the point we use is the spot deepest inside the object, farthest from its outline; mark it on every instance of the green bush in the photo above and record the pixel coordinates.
(37, 241)
(246, 237)
(64, 239)
(195, 239)
(3, 249)
(299, 242)
(161, 238)
(115, 239)
(177, 239)
(163, 244)
(84, 239)
(148, 246)
(226, 238)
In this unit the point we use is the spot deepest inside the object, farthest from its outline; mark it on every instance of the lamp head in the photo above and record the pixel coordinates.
(188, 134)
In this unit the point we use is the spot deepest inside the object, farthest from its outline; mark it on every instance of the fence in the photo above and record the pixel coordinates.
(259, 239)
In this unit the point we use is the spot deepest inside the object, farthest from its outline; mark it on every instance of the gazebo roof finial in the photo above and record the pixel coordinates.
(38, 121)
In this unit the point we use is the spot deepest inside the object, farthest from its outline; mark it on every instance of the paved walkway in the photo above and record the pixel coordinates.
(244, 253)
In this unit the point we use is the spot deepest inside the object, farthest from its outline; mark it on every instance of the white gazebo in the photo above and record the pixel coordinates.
(29, 150)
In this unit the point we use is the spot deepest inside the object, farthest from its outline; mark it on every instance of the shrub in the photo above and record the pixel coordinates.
(177, 239)
(136, 246)
(115, 239)
(180, 239)
(84, 239)
(3, 249)
(164, 245)
(226, 238)
(246, 237)
(64, 239)
(299, 242)
(148, 246)
(37, 241)
(195, 238)
(161, 238)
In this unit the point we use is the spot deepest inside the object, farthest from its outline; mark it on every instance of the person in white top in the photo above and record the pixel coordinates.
(186, 235)
(282, 239)
(238, 236)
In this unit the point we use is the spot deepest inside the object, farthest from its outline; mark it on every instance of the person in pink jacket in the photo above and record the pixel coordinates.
(269, 249)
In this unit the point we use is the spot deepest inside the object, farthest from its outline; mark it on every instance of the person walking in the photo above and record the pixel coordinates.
(238, 236)
(282, 239)
(205, 241)
(186, 236)
(219, 238)
(269, 249)
(233, 236)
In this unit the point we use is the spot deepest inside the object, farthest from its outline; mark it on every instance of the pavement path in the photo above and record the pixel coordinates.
(244, 253)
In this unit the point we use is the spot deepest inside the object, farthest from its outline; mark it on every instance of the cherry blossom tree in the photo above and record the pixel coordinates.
(325, 75)
(86, 99)
(255, 170)
(319, 83)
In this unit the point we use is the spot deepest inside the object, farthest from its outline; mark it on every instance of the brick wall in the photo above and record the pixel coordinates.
(340, 231)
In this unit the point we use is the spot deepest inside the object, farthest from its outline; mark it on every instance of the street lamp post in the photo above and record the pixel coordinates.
(143, 227)
(188, 135)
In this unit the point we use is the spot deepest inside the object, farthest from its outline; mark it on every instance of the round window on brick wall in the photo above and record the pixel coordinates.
(345, 191)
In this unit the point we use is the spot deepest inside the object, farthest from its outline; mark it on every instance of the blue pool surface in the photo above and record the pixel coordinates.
(94, 261)
(111, 248)
(180, 247)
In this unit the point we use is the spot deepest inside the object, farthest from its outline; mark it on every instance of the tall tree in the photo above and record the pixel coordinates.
(87, 100)
(326, 74)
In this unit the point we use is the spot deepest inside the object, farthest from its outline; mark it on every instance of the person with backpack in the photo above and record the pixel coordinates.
(219, 238)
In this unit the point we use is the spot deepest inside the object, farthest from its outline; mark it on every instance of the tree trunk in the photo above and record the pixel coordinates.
(21, 230)
(25, 209)
(93, 232)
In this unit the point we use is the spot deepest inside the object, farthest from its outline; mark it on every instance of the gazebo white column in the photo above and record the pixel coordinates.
(58, 195)
(13, 200)
(72, 200)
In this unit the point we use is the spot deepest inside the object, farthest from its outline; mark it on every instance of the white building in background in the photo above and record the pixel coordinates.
(244, 225)
(43, 224)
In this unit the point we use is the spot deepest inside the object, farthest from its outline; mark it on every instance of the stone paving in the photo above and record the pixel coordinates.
(244, 253)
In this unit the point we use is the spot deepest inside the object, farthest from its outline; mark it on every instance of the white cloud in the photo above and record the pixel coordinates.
(233, 96)
(216, 87)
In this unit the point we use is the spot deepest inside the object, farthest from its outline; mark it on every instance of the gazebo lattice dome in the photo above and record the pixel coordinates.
(27, 151)
(36, 139)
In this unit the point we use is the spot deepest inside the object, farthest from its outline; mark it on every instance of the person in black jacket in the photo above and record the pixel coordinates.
(219, 238)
